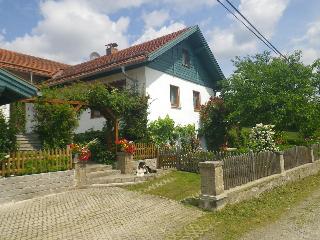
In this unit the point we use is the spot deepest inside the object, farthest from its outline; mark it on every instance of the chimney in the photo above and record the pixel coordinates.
(111, 48)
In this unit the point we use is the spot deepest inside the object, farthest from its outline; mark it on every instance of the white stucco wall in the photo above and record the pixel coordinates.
(158, 88)
(87, 123)
(5, 110)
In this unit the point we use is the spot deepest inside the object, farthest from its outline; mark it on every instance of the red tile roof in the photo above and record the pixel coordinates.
(129, 56)
(26, 63)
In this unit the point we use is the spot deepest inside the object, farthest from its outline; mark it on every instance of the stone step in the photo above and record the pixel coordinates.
(121, 178)
(97, 167)
(103, 173)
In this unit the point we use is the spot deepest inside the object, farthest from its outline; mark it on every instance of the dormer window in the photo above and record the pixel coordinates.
(185, 58)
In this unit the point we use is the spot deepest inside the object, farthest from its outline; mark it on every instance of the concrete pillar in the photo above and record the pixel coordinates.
(125, 162)
(80, 173)
(212, 188)
(280, 161)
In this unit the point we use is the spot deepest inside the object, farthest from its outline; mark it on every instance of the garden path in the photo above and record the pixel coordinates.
(94, 213)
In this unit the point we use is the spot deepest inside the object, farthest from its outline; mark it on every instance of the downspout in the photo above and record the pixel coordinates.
(135, 81)
(31, 77)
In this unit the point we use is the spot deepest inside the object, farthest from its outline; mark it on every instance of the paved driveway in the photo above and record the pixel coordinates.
(97, 213)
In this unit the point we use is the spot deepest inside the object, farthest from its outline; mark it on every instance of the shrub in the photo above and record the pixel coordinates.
(162, 131)
(213, 123)
(262, 138)
(8, 141)
(55, 124)
(187, 136)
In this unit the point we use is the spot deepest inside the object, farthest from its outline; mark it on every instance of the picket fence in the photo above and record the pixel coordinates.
(31, 162)
(145, 151)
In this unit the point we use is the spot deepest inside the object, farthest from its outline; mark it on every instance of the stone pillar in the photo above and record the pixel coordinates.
(212, 188)
(125, 162)
(80, 173)
(280, 161)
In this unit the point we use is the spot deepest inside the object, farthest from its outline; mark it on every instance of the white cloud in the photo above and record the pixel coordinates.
(309, 43)
(152, 33)
(235, 39)
(264, 14)
(155, 18)
(69, 31)
(183, 6)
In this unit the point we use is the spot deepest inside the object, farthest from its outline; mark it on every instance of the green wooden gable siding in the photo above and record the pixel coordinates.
(13, 88)
(171, 62)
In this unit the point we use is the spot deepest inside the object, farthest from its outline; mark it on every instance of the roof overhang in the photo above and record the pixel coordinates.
(14, 88)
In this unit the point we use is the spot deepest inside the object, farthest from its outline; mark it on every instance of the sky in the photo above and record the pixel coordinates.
(69, 30)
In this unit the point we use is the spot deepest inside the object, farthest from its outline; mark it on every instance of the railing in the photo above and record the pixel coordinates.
(145, 151)
(296, 156)
(31, 162)
(238, 170)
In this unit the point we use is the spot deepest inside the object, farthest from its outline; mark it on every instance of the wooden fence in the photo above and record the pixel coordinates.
(316, 151)
(296, 156)
(31, 162)
(238, 170)
(145, 151)
(187, 161)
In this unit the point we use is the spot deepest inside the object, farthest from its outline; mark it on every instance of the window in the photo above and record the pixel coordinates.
(95, 114)
(185, 58)
(196, 101)
(174, 96)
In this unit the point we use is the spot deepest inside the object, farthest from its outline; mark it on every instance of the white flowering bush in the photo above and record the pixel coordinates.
(262, 138)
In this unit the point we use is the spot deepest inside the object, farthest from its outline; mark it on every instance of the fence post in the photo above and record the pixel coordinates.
(212, 188)
(158, 158)
(280, 160)
(311, 154)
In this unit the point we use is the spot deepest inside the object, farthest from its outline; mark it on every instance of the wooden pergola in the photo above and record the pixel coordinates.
(77, 106)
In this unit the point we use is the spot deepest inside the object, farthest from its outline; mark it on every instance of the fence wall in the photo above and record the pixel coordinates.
(296, 156)
(239, 170)
(242, 177)
(316, 151)
(186, 161)
(31, 162)
(145, 151)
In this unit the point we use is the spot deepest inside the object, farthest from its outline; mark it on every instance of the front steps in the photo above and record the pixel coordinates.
(28, 142)
(104, 175)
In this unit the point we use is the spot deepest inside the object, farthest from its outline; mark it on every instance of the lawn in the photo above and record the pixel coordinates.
(235, 220)
(175, 185)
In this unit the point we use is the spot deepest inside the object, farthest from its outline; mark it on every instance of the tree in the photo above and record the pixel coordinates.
(275, 91)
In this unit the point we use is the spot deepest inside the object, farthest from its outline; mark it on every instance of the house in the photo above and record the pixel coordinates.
(178, 71)
(18, 75)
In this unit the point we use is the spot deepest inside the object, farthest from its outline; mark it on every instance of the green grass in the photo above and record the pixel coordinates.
(235, 220)
(175, 185)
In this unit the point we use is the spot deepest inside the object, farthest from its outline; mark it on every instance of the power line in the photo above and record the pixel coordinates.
(255, 28)
(258, 34)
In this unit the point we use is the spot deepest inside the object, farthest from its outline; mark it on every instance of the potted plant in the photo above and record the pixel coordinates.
(125, 153)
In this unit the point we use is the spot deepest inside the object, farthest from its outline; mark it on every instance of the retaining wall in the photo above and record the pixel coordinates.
(18, 188)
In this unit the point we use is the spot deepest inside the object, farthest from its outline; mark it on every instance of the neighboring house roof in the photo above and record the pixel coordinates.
(13, 88)
(26, 63)
(144, 52)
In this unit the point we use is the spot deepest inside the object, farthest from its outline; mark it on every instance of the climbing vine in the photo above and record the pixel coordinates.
(60, 121)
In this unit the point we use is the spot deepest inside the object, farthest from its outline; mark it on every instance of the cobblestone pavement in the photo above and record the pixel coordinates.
(96, 213)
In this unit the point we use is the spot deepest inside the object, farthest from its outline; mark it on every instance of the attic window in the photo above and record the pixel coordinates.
(185, 58)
